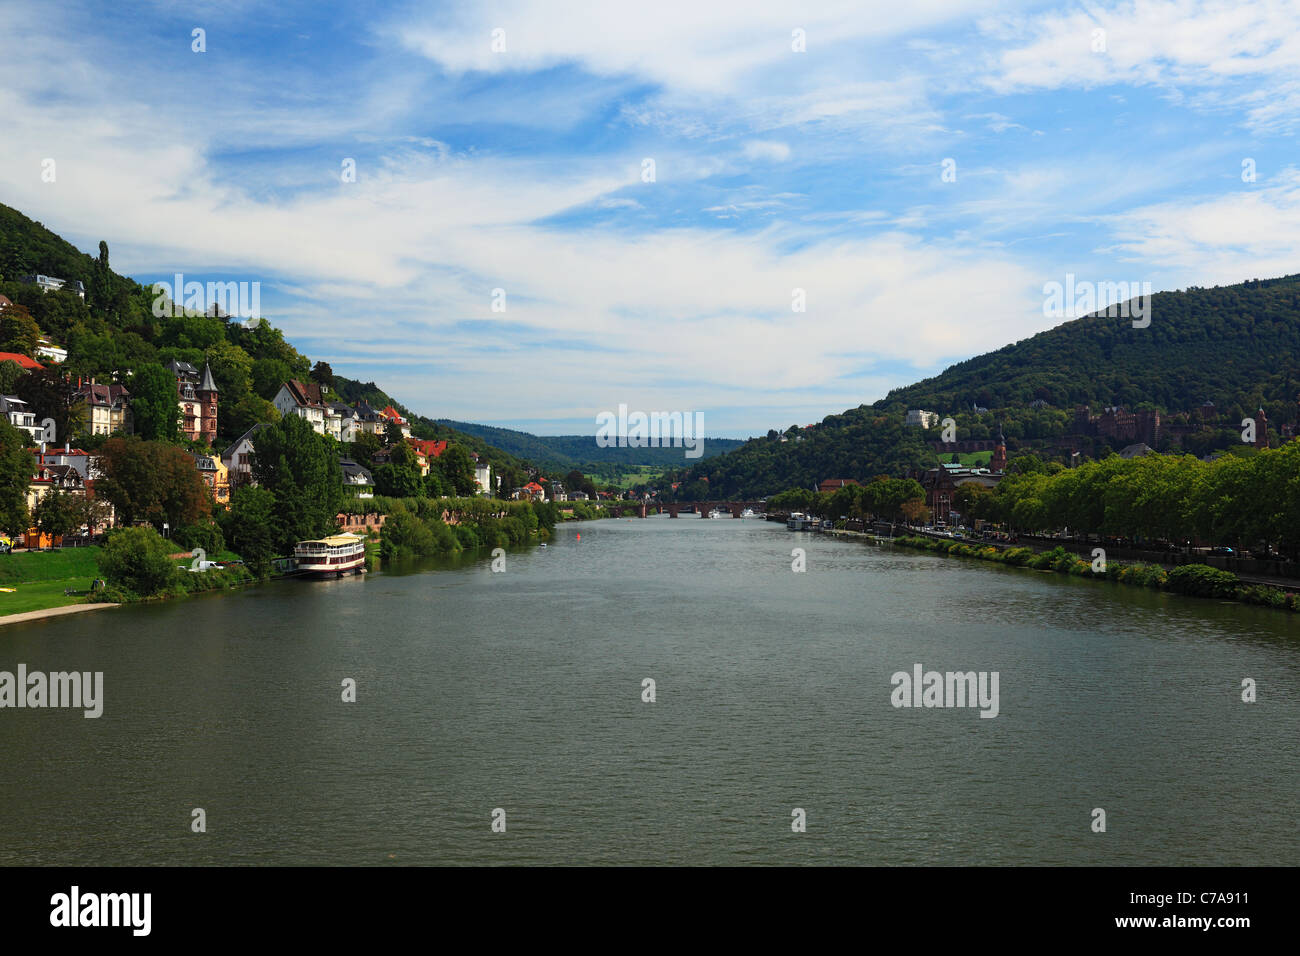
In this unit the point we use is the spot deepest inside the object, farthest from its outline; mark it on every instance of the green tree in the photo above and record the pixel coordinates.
(398, 481)
(364, 447)
(323, 375)
(138, 560)
(154, 404)
(10, 372)
(15, 474)
(49, 395)
(18, 330)
(249, 525)
(57, 514)
(301, 469)
(457, 469)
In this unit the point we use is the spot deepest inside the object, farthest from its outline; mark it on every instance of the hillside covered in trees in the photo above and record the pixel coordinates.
(570, 451)
(114, 334)
(1234, 346)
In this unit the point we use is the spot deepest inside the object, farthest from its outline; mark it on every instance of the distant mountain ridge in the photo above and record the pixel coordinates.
(570, 451)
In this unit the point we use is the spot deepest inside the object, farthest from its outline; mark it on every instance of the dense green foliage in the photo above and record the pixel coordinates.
(1237, 500)
(1231, 345)
(151, 481)
(421, 526)
(15, 472)
(137, 560)
(249, 526)
(1194, 580)
(301, 471)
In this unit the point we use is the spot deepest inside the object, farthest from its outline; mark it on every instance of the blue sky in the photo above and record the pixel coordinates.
(775, 169)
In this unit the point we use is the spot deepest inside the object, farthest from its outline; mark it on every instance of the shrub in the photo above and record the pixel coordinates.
(137, 560)
(206, 536)
(1017, 557)
(1201, 580)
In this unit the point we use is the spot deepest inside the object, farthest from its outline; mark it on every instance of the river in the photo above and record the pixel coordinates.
(523, 690)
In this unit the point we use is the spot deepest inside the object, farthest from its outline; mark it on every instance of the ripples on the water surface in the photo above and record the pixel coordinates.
(522, 691)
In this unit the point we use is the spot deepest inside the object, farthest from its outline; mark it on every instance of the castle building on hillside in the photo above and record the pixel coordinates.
(196, 394)
(1119, 424)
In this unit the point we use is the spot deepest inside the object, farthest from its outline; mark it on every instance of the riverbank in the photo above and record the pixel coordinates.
(1190, 580)
(40, 580)
(52, 612)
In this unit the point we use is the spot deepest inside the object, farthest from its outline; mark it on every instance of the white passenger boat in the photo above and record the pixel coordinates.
(334, 556)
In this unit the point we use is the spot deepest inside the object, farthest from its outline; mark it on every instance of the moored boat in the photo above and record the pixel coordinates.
(335, 556)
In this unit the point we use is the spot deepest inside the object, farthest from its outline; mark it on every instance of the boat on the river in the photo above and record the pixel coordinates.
(334, 556)
(800, 522)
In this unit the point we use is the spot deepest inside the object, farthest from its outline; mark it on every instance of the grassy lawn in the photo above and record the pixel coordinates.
(39, 578)
(979, 458)
(632, 475)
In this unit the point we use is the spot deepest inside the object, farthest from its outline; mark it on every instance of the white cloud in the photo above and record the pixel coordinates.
(768, 150)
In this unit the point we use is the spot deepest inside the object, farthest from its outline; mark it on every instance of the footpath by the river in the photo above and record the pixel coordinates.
(52, 612)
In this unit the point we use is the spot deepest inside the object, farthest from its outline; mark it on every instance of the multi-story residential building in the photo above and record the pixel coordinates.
(483, 476)
(304, 400)
(51, 284)
(920, 418)
(238, 458)
(392, 416)
(20, 415)
(343, 419)
(357, 480)
(82, 461)
(107, 408)
(196, 394)
(215, 475)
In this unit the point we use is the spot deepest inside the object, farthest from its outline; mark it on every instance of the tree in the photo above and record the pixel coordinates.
(10, 372)
(57, 514)
(393, 434)
(248, 525)
(300, 468)
(154, 404)
(18, 330)
(15, 474)
(364, 447)
(151, 481)
(323, 375)
(49, 395)
(457, 469)
(137, 560)
(398, 481)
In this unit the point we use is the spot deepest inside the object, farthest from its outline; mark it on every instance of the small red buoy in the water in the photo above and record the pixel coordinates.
(579, 537)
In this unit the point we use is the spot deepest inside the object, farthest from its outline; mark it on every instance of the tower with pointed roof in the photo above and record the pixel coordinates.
(1261, 429)
(207, 396)
(998, 463)
(197, 397)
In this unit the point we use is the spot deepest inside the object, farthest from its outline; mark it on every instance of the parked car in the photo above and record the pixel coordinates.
(1222, 550)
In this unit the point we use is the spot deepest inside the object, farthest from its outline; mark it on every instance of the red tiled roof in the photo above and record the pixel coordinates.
(25, 361)
(427, 446)
(305, 393)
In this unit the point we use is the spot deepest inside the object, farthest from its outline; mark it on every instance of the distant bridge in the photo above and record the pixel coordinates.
(675, 508)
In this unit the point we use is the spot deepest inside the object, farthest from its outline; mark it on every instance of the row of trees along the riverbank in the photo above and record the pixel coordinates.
(1239, 499)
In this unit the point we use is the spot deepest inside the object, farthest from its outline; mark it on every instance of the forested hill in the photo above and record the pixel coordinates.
(1235, 346)
(1231, 345)
(114, 330)
(569, 451)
